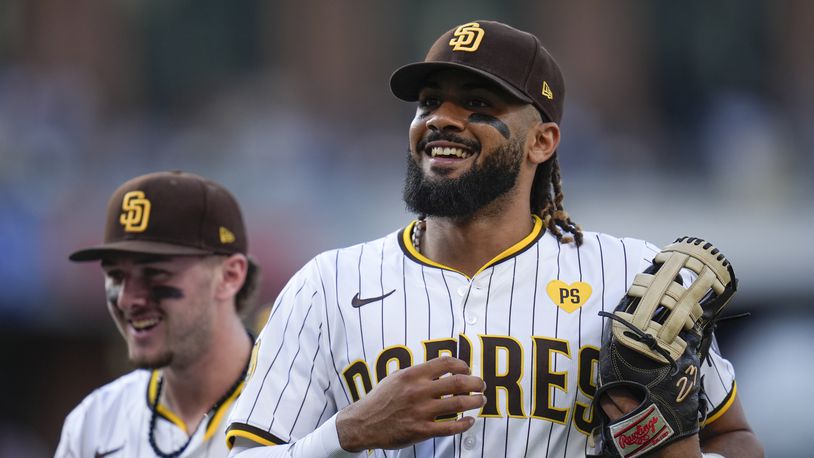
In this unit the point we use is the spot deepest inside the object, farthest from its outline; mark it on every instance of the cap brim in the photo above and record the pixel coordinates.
(135, 247)
(407, 81)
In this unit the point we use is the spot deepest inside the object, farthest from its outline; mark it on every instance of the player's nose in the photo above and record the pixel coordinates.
(447, 116)
(131, 293)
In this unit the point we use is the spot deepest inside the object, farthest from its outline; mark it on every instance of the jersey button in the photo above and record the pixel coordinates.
(470, 442)
(470, 318)
(462, 291)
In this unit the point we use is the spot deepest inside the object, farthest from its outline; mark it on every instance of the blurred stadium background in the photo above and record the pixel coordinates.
(688, 117)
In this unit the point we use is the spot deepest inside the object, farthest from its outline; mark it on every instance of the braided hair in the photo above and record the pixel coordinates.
(546, 202)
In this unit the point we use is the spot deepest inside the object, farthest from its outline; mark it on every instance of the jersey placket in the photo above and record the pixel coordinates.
(474, 297)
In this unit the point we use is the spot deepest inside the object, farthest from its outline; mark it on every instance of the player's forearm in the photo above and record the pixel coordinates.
(323, 441)
(740, 443)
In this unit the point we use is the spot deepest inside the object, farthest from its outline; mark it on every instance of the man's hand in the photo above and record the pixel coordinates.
(402, 409)
(617, 402)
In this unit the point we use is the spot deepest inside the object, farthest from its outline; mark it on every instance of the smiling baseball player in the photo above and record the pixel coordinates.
(177, 277)
(473, 331)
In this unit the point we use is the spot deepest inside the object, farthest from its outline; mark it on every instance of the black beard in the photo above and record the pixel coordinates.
(462, 197)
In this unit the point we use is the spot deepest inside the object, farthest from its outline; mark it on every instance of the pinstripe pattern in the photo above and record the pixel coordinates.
(276, 354)
(556, 335)
(486, 331)
(579, 345)
(381, 288)
(305, 397)
(330, 341)
(288, 372)
(534, 333)
(315, 354)
(359, 314)
(344, 333)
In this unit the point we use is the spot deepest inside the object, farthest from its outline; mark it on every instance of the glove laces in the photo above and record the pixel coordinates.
(641, 336)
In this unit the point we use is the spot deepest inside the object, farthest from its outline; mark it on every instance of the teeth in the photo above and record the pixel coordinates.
(144, 323)
(449, 152)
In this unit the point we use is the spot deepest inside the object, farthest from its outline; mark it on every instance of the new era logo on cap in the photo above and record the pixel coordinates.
(226, 236)
(547, 91)
(513, 59)
(170, 213)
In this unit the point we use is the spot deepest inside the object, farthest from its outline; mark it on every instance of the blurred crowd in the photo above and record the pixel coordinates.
(701, 107)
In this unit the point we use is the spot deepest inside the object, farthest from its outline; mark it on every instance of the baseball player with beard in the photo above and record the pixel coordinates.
(474, 330)
(177, 277)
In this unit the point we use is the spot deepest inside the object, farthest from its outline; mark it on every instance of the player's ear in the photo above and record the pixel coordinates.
(230, 276)
(542, 141)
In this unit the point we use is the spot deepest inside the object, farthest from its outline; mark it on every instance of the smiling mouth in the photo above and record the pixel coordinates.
(144, 324)
(449, 153)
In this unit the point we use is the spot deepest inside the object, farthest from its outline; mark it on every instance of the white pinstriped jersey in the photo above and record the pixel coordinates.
(527, 323)
(114, 421)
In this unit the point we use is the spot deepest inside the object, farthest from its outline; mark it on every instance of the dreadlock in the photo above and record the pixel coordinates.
(548, 183)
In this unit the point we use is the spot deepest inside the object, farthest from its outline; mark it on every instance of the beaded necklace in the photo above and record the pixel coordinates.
(418, 229)
(154, 415)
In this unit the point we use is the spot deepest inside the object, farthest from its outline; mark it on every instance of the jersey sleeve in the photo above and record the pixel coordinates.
(322, 442)
(718, 376)
(287, 392)
(70, 443)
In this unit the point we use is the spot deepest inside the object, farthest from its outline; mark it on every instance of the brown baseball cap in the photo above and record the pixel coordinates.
(513, 59)
(170, 213)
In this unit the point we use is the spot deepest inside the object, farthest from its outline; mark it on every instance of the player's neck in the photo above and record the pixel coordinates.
(192, 390)
(468, 244)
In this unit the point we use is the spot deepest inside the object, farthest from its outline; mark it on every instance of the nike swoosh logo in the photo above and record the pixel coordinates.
(358, 302)
(109, 452)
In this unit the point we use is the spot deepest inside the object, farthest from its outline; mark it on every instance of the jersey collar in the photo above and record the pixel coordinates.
(406, 243)
(163, 411)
